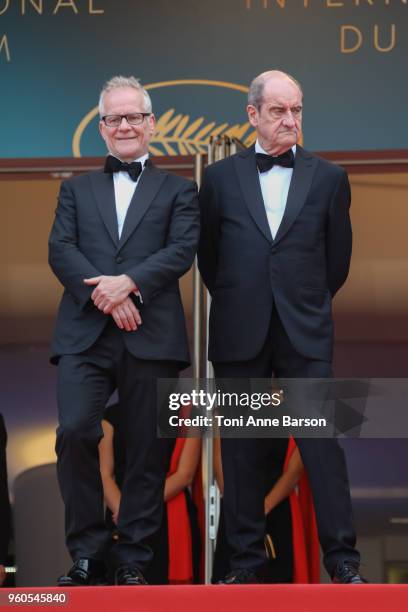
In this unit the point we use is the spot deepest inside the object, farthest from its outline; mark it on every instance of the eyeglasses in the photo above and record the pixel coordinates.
(131, 118)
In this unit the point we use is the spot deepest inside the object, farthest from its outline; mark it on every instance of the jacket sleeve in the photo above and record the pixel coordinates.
(169, 263)
(207, 250)
(68, 263)
(339, 236)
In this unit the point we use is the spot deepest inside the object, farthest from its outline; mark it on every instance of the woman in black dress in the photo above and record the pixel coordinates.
(278, 529)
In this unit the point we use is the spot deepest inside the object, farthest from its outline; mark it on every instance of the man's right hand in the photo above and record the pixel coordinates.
(126, 315)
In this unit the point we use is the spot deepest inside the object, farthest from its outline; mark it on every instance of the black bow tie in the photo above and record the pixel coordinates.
(113, 164)
(266, 162)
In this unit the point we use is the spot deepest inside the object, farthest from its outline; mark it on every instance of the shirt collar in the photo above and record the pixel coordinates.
(260, 149)
(141, 159)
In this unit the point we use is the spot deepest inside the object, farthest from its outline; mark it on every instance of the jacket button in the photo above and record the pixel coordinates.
(119, 259)
(273, 250)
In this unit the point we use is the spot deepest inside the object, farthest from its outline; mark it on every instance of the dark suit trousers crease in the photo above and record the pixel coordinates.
(85, 383)
(245, 461)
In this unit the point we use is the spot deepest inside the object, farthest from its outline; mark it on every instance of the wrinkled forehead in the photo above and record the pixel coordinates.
(123, 99)
(281, 91)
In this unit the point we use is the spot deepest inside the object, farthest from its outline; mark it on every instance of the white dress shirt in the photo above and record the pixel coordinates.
(124, 190)
(125, 187)
(275, 187)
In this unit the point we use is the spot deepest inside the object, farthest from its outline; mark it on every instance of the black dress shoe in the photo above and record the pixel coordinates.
(347, 572)
(84, 572)
(129, 575)
(241, 576)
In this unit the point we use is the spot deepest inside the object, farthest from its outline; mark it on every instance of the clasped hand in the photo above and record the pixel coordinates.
(111, 296)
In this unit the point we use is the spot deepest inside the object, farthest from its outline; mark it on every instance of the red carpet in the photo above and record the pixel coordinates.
(252, 598)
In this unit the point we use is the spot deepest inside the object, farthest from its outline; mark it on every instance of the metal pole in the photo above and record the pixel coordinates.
(197, 292)
(218, 148)
(203, 370)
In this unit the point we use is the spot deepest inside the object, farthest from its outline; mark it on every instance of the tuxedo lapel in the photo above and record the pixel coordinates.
(248, 177)
(104, 193)
(149, 184)
(303, 171)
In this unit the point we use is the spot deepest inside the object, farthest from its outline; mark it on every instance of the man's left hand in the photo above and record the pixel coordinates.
(110, 290)
(127, 316)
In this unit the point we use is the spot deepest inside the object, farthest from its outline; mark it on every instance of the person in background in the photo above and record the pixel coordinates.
(5, 514)
(176, 544)
(291, 540)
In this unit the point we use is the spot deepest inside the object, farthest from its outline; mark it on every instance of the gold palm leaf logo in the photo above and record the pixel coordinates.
(177, 134)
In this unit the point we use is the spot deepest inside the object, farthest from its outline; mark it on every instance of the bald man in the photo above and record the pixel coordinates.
(275, 248)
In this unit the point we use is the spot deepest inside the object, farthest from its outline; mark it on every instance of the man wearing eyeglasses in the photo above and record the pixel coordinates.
(121, 239)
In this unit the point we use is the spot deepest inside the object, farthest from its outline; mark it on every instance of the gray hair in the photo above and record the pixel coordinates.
(256, 89)
(118, 82)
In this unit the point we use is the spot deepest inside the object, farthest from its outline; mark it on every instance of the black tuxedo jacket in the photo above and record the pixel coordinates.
(157, 245)
(248, 273)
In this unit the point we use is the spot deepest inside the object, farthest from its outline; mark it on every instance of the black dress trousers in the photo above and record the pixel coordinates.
(85, 383)
(245, 463)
